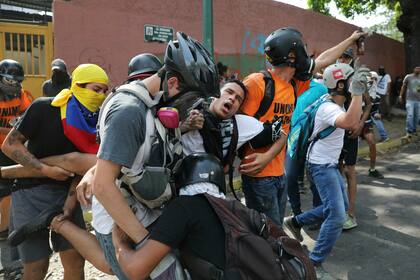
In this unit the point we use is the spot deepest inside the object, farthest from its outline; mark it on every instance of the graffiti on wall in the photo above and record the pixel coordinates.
(253, 42)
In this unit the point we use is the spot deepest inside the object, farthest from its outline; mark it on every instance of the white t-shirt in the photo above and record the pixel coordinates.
(328, 149)
(248, 128)
(382, 86)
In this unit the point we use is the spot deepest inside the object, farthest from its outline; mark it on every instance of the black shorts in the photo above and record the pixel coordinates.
(349, 151)
(367, 128)
(27, 204)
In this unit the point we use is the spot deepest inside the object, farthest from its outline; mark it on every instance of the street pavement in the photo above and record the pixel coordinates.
(386, 244)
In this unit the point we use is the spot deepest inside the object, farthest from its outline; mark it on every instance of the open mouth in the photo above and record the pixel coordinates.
(227, 105)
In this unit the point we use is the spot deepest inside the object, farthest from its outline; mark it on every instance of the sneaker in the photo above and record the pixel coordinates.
(385, 139)
(375, 174)
(295, 231)
(350, 222)
(321, 274)
(38, 223)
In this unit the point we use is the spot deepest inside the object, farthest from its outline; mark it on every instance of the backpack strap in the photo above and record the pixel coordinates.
(137, 89)
(268, 95)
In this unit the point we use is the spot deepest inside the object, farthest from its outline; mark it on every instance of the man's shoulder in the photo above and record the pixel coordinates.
(126, 102)
(42, 102)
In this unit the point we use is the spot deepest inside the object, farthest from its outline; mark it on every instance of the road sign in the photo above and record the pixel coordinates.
(156, 33)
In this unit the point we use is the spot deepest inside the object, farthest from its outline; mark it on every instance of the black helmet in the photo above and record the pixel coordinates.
(280, 43)
(200, 167)
(187, 57)
(143, 63)
(11, 69)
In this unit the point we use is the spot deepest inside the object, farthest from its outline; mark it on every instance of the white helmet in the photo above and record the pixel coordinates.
(336, 72)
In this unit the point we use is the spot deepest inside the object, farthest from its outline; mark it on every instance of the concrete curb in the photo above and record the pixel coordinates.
(384, 147)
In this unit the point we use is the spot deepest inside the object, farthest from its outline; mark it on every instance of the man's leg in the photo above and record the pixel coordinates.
(4, 215)
(351, 176)
(261, 194)
(281, 195)
(292, 174)
(330, 186)
(73, 264)
(381, 128)
(35, 270)
(83, 241)
(410, 125)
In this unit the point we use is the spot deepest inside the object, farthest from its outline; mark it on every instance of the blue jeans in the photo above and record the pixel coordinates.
(266, 195)
(294, 169)
(332, 212)
(413, 115)
(105, 240)
(381, 128)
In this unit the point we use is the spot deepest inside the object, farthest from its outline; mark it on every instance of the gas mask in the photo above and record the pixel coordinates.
(304, 64)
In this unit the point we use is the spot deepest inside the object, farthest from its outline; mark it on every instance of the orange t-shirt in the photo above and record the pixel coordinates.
(10, 109)
(281, 108)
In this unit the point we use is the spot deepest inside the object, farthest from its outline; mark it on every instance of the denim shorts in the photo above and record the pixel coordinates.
(105, 240)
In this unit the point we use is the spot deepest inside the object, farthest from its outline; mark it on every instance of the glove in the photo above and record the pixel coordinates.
(358, 85)
(277, 130)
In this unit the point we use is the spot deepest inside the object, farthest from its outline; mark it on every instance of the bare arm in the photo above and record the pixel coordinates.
(403, 89)
(138, 264)
(365, 115)
(75, 162)
(329, 56)
(350, 119)
(13, 146)
(108, 194)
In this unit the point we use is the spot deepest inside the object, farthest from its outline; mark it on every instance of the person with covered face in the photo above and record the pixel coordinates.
(53, 126)
(14, 100)
(60, 79)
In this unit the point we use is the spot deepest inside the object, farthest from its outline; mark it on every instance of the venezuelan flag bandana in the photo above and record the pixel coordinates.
(79, 107)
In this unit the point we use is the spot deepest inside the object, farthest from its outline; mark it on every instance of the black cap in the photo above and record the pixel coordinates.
(58, 64)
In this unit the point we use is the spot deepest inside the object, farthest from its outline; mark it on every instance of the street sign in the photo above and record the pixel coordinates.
(156, 33)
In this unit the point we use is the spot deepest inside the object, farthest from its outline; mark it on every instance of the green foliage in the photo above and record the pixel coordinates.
(349, 8)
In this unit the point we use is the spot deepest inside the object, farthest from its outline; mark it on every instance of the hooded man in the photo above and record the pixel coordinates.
(60, 79)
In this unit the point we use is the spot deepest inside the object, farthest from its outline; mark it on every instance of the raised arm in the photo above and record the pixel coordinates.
(329, 56)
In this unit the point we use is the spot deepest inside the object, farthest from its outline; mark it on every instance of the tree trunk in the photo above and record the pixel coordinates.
(409, 25)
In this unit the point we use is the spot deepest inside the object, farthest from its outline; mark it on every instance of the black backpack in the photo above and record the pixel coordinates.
(269, 94)
(255, 248)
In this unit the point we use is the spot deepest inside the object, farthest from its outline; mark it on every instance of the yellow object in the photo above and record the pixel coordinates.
(83, 74)
(32, 46)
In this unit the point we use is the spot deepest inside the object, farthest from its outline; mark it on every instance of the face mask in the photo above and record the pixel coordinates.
(381, 72)
(59, 77)
(89, 98)
(10, 91)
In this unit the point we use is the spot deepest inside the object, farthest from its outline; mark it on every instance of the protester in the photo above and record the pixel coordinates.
(411, 91)
(367, 132)
(53, 126)
(383, 89)
(323, 158)
(60, 79)
(348, 157)
(263, 182)
(14, 100)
